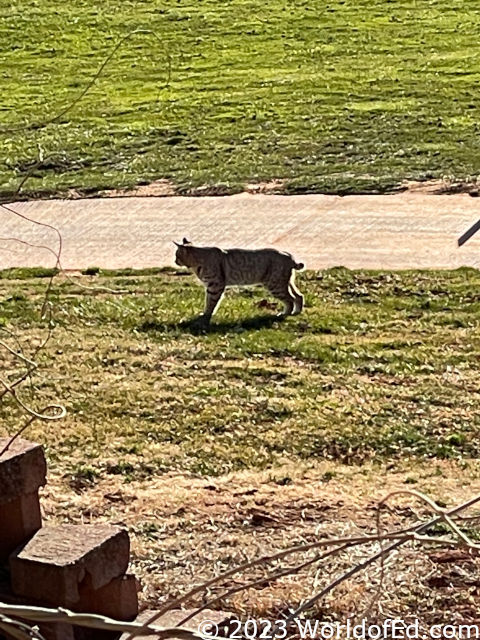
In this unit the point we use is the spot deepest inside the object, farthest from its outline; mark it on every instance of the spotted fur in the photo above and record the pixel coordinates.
(218, 269)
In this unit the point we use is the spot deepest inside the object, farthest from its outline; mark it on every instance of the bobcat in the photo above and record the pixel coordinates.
(218, 269)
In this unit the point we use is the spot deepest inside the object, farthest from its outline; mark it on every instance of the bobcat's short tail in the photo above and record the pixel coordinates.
(298, 265)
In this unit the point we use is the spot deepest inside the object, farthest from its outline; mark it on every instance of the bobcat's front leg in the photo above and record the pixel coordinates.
(213, 296)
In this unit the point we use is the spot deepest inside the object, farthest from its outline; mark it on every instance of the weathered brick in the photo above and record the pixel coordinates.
(59, 562)
(23, 469)
(118, 599)
(50, 631)
(57, 631)
(19, 520)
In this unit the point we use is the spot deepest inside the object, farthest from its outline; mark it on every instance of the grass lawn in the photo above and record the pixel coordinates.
(380, 366)
(211, 448)
(344, 96)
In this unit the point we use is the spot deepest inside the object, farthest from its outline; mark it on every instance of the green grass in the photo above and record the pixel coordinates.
(380, 366)
(344, 96)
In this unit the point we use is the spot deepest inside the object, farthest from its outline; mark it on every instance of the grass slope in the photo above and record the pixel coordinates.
(341, 96)
(380, 366)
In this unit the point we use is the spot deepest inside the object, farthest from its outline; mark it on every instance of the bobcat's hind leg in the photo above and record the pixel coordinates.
(298, 304)
(282, 293)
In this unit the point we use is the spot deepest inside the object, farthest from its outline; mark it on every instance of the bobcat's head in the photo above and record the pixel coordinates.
(183, 255)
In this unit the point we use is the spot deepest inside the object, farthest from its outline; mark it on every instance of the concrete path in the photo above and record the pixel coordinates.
(408, 230)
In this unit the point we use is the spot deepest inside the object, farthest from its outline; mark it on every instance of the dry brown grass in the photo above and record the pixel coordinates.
(185, 529)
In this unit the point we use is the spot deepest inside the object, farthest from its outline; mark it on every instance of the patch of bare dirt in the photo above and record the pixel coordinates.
(209, 190)
(164, 188)
(159, 188)
(442, 187)
(272, 187)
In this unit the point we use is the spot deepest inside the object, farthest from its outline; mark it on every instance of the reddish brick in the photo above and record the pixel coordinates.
(118, 599)
(57, 631)
(19, 519)
(50, 631)
(56, 562)
(23, 469)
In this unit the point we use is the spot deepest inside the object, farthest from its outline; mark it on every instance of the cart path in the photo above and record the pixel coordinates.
(402, 231)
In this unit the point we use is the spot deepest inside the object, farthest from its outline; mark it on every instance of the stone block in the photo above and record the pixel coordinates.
(59, 562)
(22, 472)
(50, 631)
(19, 520)
(57, 631)
(222, 619)
(23, 469)
(118, 599)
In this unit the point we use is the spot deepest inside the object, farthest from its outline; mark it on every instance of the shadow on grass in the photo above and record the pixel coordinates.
(196, 326)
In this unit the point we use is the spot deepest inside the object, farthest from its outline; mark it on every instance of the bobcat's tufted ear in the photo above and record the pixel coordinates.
(185, 241)
(176, 244)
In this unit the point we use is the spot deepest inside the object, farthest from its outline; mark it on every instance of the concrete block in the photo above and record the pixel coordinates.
(19, 520)
(59, 562)
(23, 469)
(118, 599)
(50, 631)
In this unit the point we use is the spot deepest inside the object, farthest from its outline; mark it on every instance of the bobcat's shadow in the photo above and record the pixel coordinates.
(196, 326)
(246, 324)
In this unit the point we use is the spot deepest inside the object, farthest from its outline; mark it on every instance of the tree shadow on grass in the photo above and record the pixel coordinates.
(196, 326)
